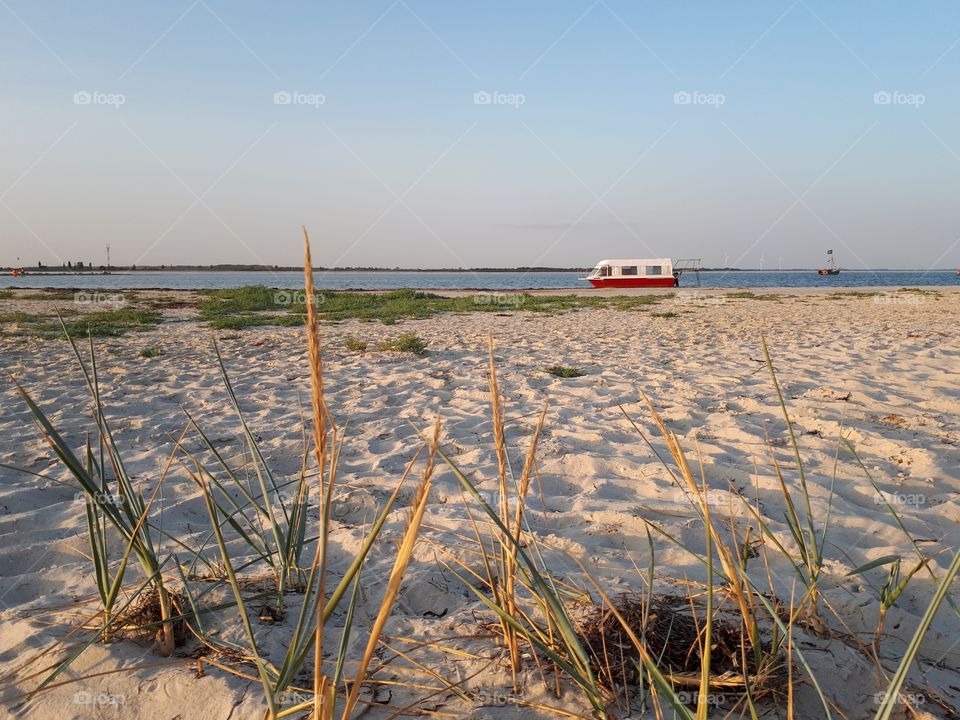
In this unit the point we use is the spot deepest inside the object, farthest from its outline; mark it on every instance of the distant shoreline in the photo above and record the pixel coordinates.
(128, 270)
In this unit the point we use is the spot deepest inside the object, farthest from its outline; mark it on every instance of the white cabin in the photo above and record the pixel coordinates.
(639, 268)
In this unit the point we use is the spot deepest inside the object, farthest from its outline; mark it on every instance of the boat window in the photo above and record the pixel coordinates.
(654, 270)
(604, 271)
(628, 270)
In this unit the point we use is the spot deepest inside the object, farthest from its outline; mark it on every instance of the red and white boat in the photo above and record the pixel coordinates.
(655, 272)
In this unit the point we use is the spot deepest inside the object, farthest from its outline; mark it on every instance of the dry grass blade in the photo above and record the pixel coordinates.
(323, 689)
(506, 584)
(404, 554)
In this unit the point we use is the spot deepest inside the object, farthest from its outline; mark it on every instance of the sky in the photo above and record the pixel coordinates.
(420, 133)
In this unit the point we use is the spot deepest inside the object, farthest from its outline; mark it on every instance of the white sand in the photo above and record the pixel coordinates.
(885, 369)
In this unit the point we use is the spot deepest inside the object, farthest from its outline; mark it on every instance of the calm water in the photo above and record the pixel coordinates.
(462, 280)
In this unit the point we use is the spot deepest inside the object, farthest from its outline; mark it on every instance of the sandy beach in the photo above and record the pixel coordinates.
(881, 368)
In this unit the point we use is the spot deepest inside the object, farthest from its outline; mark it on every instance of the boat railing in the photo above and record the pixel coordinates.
(688, 265)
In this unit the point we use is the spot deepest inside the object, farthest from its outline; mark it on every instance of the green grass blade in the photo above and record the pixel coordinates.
(892, 694)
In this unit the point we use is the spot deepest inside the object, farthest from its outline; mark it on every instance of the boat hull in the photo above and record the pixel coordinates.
(828, 272)
(633, 282)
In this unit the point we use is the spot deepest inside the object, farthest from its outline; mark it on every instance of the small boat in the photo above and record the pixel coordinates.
(631, 273)
(833, 269)
(17, 272)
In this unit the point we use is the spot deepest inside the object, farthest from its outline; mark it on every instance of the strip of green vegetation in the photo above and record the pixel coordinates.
(917, 291)
(106, 323)
(51, 295)
(6, 294)
(245, 320)
(850, 294)
(747, 295)
(257, 305)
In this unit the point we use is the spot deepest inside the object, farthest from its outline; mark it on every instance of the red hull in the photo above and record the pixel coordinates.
(632, 282)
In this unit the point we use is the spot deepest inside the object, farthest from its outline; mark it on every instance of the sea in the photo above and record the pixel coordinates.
(465, 280)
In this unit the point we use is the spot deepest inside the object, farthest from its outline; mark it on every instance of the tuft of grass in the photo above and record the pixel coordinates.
(125, 511)
(564, 372)
(151, 352)
(6, 294)
(664, 314)
(355, 345)
(408, 342)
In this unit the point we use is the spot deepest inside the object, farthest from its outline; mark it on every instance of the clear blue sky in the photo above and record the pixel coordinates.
(783, 151)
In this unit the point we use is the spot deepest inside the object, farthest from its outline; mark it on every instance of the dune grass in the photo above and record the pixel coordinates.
(408, 342)
(561, 371)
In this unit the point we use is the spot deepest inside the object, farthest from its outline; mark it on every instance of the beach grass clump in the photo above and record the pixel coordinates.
(406, 343)
(355, 345)
(6, 294)
(151, 352)
(561, 371)
(120, 507)
(665, 314)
